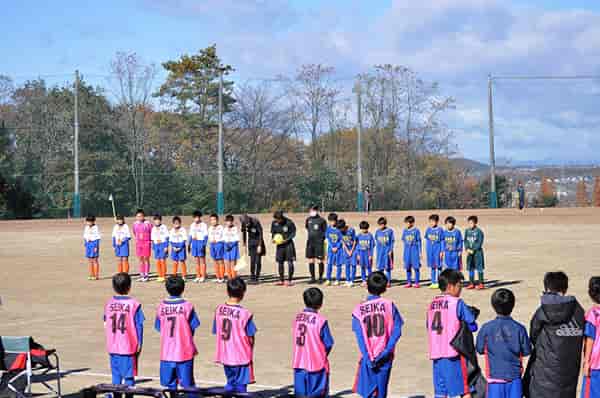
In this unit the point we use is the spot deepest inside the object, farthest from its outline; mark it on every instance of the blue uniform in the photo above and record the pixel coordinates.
(433, 246)
(452, 245)
(411, 238)
(384, 243)
(121, 250)
(161, 250)
(590, 387)
(334, 240)
(373, 377)
(92, 249)
(178, 255)
(349, 260)
(365, 246)
(232, 251)
(238, 377)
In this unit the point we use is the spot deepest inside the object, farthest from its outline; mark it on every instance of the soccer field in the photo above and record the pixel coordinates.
(45, 294)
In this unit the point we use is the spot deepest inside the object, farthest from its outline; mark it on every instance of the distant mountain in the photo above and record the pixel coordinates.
(472, 166)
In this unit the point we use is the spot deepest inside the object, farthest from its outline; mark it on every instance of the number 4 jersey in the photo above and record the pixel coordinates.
(176, 321)
(123, 325)
(234, 330)
(443, 324)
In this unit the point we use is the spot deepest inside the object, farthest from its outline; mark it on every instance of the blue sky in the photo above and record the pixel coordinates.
(456, 42)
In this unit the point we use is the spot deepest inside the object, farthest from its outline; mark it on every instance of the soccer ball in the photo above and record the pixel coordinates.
(278, 239)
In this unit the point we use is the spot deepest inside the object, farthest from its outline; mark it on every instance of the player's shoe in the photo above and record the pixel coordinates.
(336, 283)
(389, 285)
(408, 285)
(434, 286)
(140, 279)
(480, 286)
(280, 283)
(90, 278)
(327, 282)
(416, 286)
(471, 286)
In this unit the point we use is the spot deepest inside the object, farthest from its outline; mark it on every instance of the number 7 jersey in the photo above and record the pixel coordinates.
(176, 320)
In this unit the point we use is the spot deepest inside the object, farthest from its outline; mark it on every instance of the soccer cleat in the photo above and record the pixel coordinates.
(141, 279)
(289, 284)
(389, 285)
(280, 283)
(471, 286)
(90, 278)
(312, 281)
(201, 279)
(161, 279)
(408, 286)
(480, 286)
(416, 286)
(336, 283)
(327, 282)
(434, 286)
(197, 280)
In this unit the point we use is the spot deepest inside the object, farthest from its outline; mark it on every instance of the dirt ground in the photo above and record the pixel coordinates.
(45, 294)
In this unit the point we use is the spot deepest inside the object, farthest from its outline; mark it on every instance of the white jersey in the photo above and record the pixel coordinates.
(198, 231)
(121, 232)
(91, 233)
(231, 234)
(177, 235)
(215, 234)
(159, 234)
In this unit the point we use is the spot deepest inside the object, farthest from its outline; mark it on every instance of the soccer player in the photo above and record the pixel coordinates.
(142, 230)
(285, 251)
(434, 236)
(234, 329)
(348, 251)
(364, 251)
(474, 249)
(384, 243)
(177, 239)
(334, 245)
(504, 343)
(120, 241)
(197, 245)
(312, 344)
(444, 317)
(411, 238)
(556, 332)
(316, 230)
(91, 242)
(591, 346)
(217, 247)
(231, 237)
(124, 331)
(160, 246)
(377, 325)
(252, 236)
(176, 321)
(452, 245)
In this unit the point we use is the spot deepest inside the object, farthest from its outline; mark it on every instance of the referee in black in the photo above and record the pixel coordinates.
(315, 243)
(252, 236)
(286, 251)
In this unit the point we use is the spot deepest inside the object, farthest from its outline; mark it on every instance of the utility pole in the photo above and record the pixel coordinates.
(220, 196)
(493, 195)
(360, 196)
(76, 198)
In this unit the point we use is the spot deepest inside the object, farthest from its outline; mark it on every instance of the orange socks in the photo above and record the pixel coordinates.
(126, 266)
(183, 269)
(230, 271)
(201, 271)
(119, 267)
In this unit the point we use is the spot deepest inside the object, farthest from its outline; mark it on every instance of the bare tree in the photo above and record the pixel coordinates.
(134, 81)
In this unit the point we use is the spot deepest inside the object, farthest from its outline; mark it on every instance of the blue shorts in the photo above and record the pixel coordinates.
(450, 377)
(198, 248)
(371, 383)
(348, 260)
(334, 259)
(216, 250)
(180, 255)
(433, 259)
(92, 249)
(512, 389)
(384, 261)
(122, 250)
(173, 372)
(238, 377)
(362, 257)
(160, 250)
(311, 384)
(231, 251)
(123, 369)
(590, 387)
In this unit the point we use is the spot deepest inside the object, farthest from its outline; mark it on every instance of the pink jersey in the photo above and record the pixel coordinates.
(377, 322)
(309, 350)
(119, 326)
(442, 326)
(142, 231)
(176, 338)
(234, 347)
(593, 317)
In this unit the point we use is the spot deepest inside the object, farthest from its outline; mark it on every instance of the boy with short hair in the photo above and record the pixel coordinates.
(452, 245)
(198, 237)
(590, 387)
(434, 237)
(91, 243)
(142, 230)
(234, 329)
(474, 249)
(504, 343)
(176, 321)
(177, 239)
(556, 332)
(312, 345)
(377, 325)
(411, 238)
(124, 331)
(160, 246)
(216, 246)
(384, 241)
(231, 237)
(348, 255)
(444, 317)
(334, 247)
(120, 241)
(364, 251)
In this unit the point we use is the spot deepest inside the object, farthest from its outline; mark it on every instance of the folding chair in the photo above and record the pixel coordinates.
(22, 347)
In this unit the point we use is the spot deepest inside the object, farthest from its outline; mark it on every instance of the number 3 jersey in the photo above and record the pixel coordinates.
(176, 321)
(123, 325)
(312, 341)
(234, 330)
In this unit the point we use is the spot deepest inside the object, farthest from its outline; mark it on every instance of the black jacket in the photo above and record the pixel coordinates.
(252, 234)
(315, 229)
(557, 336)
(287, 229)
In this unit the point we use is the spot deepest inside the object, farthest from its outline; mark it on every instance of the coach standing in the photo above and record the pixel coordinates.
(252, 235)
(315, 243)
(285, 250)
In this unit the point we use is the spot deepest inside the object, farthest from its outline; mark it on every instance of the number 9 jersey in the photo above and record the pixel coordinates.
(234, 329)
